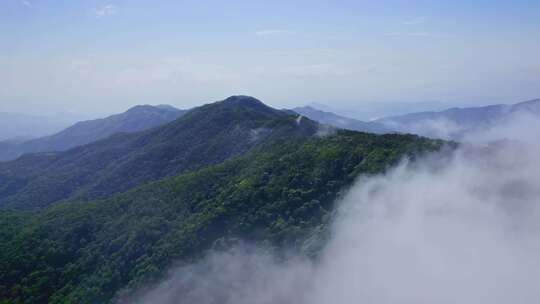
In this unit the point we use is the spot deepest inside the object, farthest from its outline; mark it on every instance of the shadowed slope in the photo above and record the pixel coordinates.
(204, 136)
(135, 119)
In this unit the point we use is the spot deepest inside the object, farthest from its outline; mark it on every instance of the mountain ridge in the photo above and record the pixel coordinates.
(29, 126)
(135, 119)
(205, 135)
(455, 123)
(342, 122)
(276, 196)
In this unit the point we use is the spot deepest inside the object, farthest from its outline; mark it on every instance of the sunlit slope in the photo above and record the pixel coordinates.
(204, 136)
(85, 253)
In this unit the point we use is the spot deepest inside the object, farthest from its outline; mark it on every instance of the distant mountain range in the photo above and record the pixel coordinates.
(17, 126)
(455, 123)
(341, 121)
(135, 119)
(452, 123)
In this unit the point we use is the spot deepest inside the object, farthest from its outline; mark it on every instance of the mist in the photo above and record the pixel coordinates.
(458, 228)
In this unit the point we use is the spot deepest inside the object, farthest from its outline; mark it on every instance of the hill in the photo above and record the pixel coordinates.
(454, 123)
(135, 119)
(204, 136)
(279, 195)
(26, 126)
(341, 122)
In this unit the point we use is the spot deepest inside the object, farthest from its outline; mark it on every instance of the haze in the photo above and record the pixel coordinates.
(455, 227)
(97, 57)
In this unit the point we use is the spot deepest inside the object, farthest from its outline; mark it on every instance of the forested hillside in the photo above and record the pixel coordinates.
(204, 136)
(86, 253)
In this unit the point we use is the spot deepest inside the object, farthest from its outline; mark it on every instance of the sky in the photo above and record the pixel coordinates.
(362, 58)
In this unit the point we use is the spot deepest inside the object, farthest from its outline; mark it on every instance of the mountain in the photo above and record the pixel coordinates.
(455, 123)
(135, 119)
(204, 136)
(24, 126)
(341, 122)
(531, 106)
(280, 196)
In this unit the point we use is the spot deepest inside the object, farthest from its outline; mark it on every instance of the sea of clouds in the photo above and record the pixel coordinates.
(460, 228)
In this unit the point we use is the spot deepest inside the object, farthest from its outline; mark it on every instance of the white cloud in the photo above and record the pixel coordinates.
(106, 10)
(411, 34)
(26, 3)
(420, 34)
(273, 32)
(393, 34)
(456, 227)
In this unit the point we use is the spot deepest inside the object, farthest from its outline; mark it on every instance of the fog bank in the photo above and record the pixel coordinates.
(457, 229)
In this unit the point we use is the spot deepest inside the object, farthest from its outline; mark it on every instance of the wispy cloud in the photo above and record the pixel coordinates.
(273, 32)
(416, 20)
(410, 34)
(26, 3)
(106, 10)
(420, 34)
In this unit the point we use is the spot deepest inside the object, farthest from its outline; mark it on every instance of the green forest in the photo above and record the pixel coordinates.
(83, 225)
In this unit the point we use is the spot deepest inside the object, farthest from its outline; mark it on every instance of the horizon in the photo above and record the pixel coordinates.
(73, 117)
(361, 58)
(157, 152)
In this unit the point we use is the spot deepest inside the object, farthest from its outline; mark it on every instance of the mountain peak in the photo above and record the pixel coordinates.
(141, 108)
(243, 101)
(151, 109)
(207, 135)
(137, 118)
(247, 103)
(166, 107)
(306, 108)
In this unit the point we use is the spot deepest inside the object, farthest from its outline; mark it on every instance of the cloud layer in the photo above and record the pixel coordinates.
(105, 10)
(458, 228)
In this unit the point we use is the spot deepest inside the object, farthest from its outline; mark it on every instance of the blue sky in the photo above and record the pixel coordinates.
(104, 56)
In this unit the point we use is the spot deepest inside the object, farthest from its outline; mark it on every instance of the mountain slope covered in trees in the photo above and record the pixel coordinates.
(204, 136)
(86, 253)
(135, 119)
